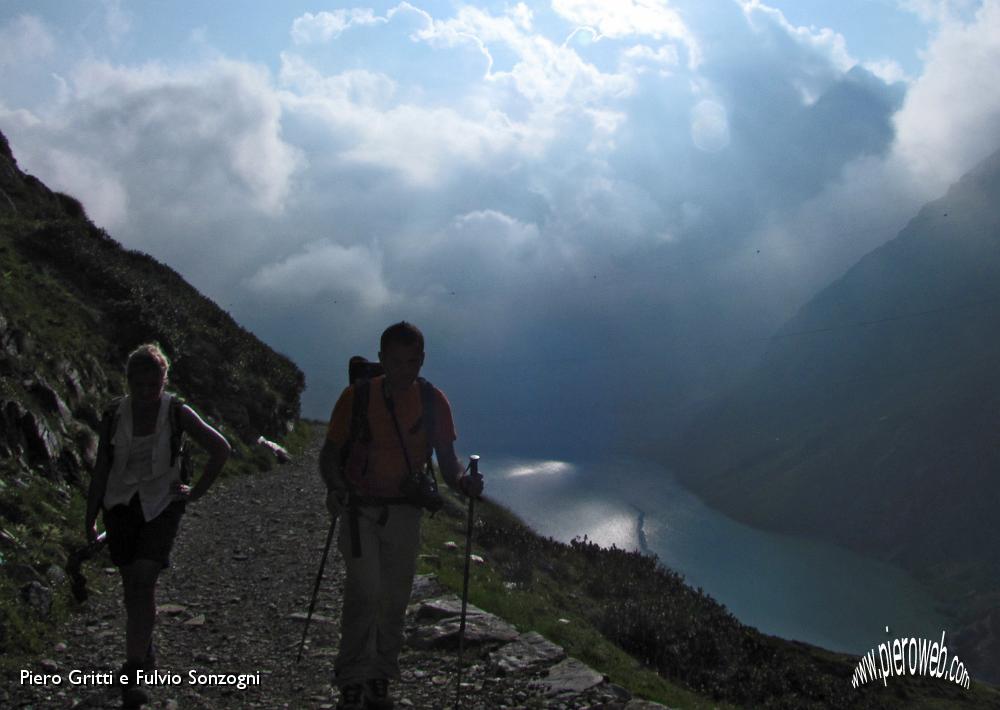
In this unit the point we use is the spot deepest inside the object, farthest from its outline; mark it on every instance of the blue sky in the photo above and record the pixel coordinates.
(598, 210)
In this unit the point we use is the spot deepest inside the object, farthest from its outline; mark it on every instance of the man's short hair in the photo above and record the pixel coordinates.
(401, 333)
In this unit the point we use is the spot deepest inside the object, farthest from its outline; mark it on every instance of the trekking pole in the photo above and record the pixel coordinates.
(319, 578)
(474, 470)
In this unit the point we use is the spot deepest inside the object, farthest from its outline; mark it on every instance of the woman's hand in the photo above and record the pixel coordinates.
(181, 491)
(91, 531)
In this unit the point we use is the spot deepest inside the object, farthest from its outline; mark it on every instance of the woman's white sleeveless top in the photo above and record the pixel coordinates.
(142, 463)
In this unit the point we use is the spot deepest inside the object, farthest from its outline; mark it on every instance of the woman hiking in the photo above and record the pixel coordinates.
(138, 485)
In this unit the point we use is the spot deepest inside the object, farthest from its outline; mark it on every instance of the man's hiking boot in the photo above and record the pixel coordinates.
(352, 697)
(377, 694)
(133, 695)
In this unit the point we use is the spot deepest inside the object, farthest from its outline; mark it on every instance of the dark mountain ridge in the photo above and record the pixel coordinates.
(874, 419)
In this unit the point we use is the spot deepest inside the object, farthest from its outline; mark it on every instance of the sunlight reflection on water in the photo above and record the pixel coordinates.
(792, 587)
(541, 468)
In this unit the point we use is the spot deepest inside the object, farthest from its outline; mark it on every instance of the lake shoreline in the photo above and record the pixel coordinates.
(794, 588)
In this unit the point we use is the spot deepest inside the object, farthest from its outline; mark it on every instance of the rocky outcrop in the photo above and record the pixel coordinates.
(441, 617)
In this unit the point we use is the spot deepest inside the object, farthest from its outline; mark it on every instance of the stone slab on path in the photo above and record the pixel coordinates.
(480, 629)
(637, 704)
(529, 651)
(425, 586)
(444, 607)
(569, 677)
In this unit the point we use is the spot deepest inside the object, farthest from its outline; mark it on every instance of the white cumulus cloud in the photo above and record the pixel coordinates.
(618, 19)
(324, 26)
(951, 117)
(198, 140)
(324, 268)
(24, 39)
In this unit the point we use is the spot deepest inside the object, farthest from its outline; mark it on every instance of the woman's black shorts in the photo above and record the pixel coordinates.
(131, 537)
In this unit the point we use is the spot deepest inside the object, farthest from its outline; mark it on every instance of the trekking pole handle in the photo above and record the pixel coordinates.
(474, 465)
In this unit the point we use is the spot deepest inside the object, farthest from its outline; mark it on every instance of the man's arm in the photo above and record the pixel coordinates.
(338, 431)
(329, 471)
(329, 465)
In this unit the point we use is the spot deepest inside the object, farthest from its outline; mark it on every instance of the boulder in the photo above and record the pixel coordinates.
(530, 650)
(17, 343)
(71, 378)
(87, 414)
(43, 445)
(314, 619)
(444, 617)
(569, 677)
(480, 629)
(445, 607)
(49, 399)
(279, 451)
(11, 413)
(86, 442)
(425, 586)
(55, 574)
(38, 597)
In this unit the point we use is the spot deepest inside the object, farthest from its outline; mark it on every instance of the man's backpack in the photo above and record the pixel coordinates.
(354, 452)
(178, 444)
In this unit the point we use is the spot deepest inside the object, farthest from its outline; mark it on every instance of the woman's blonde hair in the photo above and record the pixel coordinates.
(148, 356)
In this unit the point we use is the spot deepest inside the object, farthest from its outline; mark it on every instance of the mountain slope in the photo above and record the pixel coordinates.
(73, 304)
(874, 420)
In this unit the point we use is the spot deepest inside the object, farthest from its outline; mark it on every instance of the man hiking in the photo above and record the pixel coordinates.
(379, 441)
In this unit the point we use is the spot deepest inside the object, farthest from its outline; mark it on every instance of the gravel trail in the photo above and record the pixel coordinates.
(231, 605)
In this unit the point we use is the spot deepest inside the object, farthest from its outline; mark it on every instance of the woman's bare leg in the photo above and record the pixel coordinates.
(139, 582)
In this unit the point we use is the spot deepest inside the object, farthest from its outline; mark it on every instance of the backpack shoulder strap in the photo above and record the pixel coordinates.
(109, 418)
(176, 428)
(359, 429)
(112, 407)
(427, 402)
(106, 435)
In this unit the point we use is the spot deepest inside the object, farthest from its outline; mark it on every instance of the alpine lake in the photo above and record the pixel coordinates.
(790, 587)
